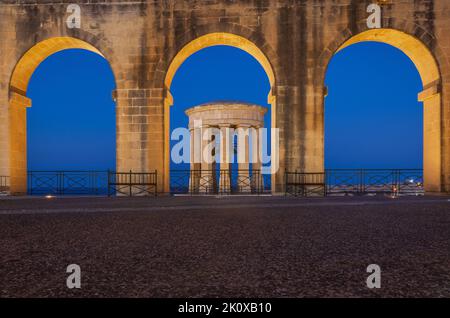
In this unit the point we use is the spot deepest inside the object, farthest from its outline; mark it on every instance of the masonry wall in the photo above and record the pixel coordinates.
(140, 39)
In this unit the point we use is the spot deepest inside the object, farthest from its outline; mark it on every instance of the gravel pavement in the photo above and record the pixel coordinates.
(225, 247)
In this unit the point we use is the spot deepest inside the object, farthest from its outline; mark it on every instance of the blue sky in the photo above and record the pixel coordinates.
(372, 117)
(210, 75)
(71, 124)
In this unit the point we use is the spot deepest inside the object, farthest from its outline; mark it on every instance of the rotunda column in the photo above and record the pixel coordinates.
(256, 154)
(225, 158)
(244, 180)
(195, 151)
(206, 183)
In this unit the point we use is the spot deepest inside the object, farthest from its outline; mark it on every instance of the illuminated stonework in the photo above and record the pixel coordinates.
(18, 102)
(209, 40)
(146, 42)
(425, 63)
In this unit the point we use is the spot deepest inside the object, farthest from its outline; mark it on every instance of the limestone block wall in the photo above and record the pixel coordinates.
(141, 40)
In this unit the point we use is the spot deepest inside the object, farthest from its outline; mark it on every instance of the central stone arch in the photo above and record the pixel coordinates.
(202, 42)
(19, 102)
(431, 96)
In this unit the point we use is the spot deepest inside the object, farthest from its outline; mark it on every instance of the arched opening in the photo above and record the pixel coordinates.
(19, 102)
(430, 95)
(204, 42)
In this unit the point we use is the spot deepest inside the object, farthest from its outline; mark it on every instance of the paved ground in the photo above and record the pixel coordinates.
(230, 247)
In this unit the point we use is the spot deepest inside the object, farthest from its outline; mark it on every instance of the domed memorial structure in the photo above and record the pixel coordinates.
(224, 134)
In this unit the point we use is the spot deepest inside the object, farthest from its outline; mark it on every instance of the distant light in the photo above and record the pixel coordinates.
(49, 197)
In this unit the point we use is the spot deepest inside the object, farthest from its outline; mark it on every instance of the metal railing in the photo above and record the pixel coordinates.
(355, 182)
(223, 182)
(4, 184)
(132, 184)
(227, 182)
(67, 182)
(98, 183)
(305, 184)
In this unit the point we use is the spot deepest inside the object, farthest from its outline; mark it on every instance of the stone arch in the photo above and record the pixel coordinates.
(418, 50)
(204, 37)
(19, 102)
(224, 28)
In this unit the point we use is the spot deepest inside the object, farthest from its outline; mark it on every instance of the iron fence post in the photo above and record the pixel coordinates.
(156, 183)
(285, 184)
(60, 190)
(397, 182)
(30, 182)
(129, 180)
(362, 183)
(109, 184)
